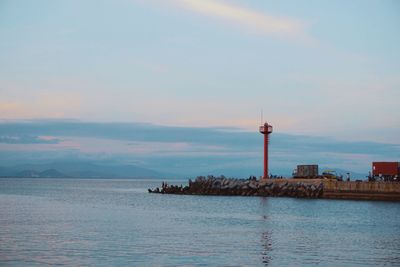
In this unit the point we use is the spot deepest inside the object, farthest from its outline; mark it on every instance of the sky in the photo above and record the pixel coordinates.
(321, 71)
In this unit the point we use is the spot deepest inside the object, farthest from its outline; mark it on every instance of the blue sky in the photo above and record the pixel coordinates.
(323, 69)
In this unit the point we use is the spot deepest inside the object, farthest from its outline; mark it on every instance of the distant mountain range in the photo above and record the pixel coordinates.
(78, 170)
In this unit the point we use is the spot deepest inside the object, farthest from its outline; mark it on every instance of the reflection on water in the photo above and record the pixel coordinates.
(44, 222)
(266, 240)
(266, 247)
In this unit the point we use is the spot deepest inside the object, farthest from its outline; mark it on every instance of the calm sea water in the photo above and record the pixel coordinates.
(82, 222)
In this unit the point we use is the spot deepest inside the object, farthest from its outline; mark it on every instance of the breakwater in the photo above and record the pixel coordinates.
(299, 188)
(245, 187)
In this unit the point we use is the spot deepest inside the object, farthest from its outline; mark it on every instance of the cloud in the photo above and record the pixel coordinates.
(141, 135)
(185, 150)
(248, 19)
(28, 139)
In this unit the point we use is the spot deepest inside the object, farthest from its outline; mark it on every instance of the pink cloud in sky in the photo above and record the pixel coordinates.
(47, 138)
(250, 20)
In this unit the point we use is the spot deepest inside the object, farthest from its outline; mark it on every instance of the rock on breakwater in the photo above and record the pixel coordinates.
(246, 187)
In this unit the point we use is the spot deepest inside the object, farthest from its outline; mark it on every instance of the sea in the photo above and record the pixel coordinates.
(111, 222)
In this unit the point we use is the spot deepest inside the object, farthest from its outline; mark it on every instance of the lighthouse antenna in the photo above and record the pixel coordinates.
(262, 119)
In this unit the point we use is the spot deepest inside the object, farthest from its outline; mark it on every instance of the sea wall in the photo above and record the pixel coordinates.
(299, 188)
(362, 190)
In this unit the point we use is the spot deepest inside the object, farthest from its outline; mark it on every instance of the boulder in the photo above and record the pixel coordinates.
(253, 185)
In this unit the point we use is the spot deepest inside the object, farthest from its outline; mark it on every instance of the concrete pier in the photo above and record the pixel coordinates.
(299, 188)
(362, 190)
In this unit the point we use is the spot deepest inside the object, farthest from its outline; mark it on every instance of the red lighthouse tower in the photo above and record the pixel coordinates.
(266, 129)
